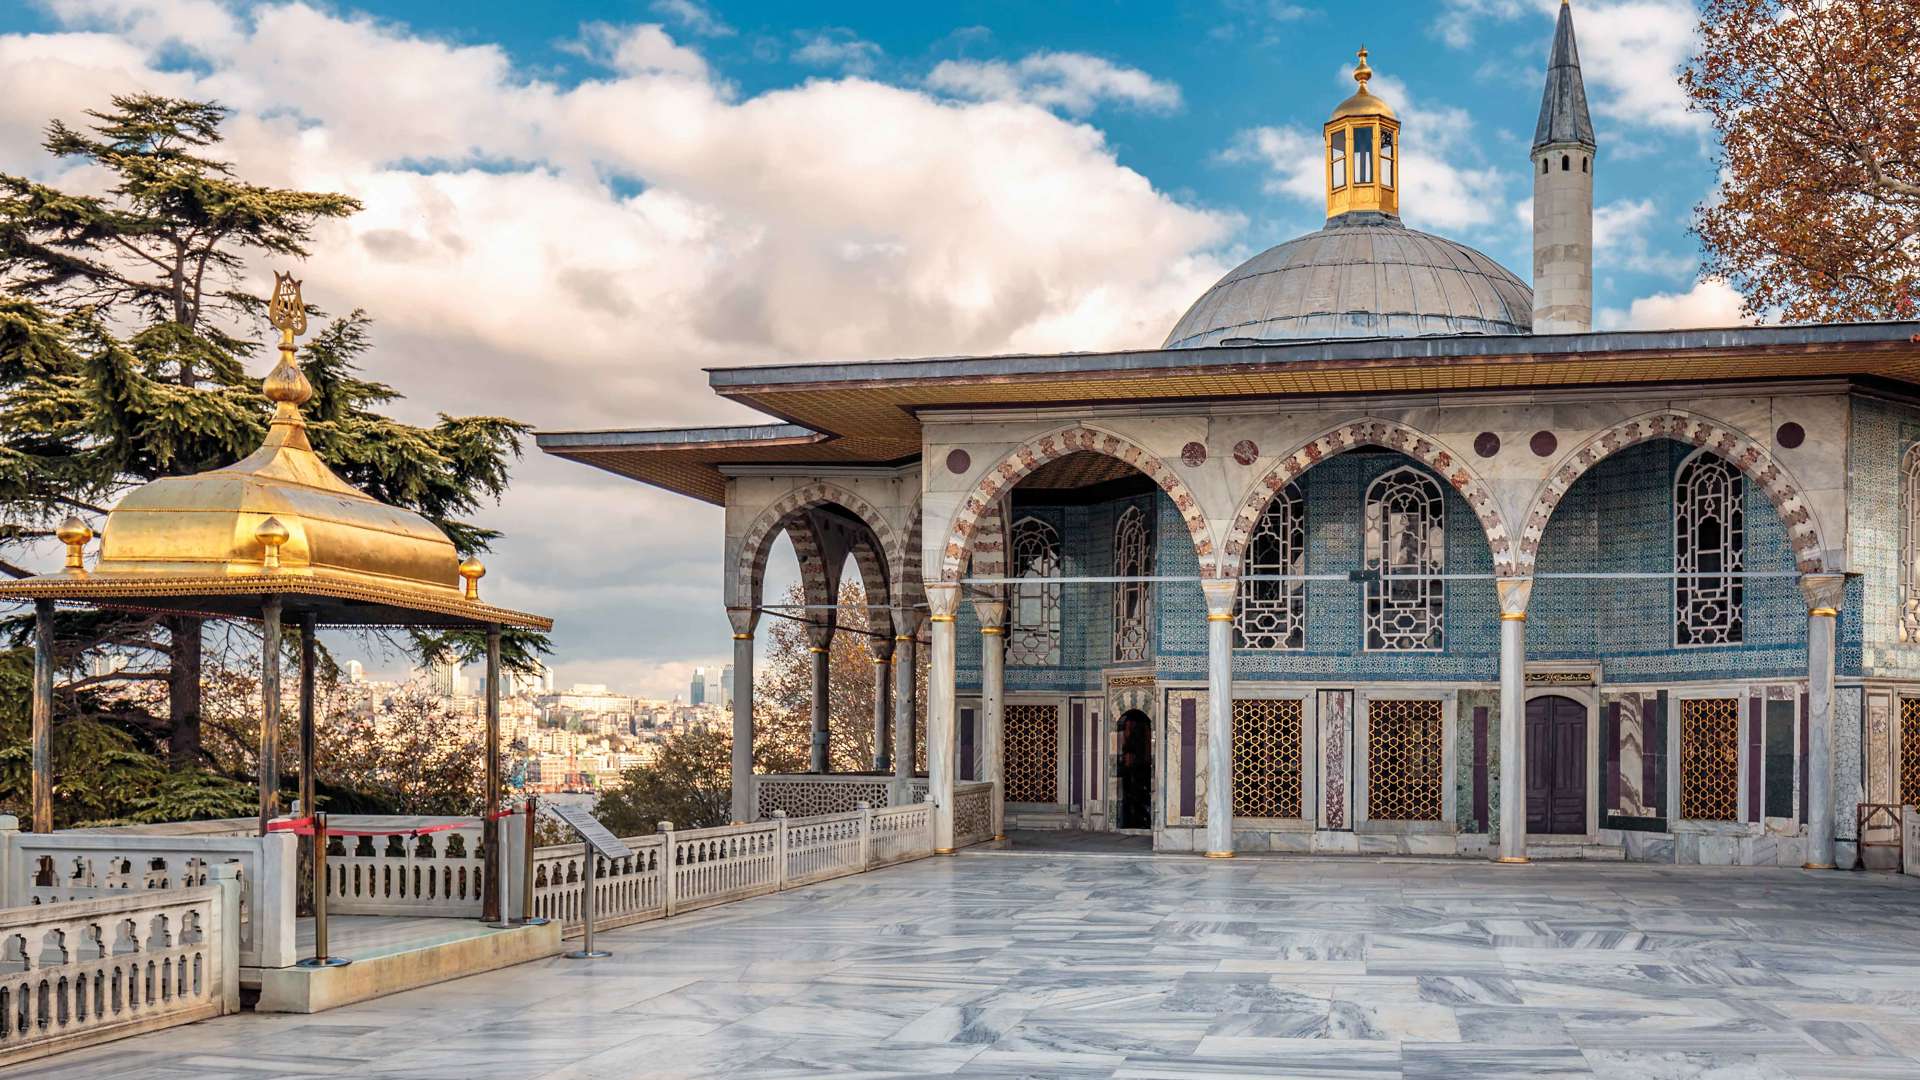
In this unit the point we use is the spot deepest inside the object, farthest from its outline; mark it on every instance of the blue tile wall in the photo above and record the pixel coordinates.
(1870, 620)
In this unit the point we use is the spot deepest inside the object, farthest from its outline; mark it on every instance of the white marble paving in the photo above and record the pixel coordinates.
(1054, 966)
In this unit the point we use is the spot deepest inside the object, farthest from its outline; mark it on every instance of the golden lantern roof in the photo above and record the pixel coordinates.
(277, 522)
(1363, 102)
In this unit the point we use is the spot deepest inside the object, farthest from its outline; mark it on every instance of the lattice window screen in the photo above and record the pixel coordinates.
(1035, 637)
(1033, 753)
(1910, 750)
(1273, 614)
(1710, 759)
(1709, 546)
(1132, 600)
(1406, 544)
(1266, 759)
(1910, 545)
(1406, 763)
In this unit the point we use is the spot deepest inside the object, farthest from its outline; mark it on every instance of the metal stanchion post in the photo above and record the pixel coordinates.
(500, 859)
(586, 950)
(320, 959)
(526, 883)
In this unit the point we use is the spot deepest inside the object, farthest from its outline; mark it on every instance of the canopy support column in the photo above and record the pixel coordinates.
(1219, 594)
(269, 712)
(941, 600)
(993, 697)
(1514, 594)
(882, 648)
(1823, 593)
(744, 620)
(490, 898)
(43, 716)
(309, 654)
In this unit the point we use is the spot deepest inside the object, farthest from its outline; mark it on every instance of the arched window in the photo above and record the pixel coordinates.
(1583, 164)
(1566, 163)
(1709, 547)
(1132, 600)
(1544, 167)
(1406, 544)
(1337, 160)
(1910, 545)
(1034, 640)
(1273, 614)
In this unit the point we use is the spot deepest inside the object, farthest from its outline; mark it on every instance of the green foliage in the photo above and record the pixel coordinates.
(688, 784)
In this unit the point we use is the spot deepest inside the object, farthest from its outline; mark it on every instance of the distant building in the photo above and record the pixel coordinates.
(698, 694)
(726, 686)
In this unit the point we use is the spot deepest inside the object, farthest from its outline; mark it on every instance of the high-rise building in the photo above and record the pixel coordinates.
(446, 680)
(697, 695)
(726, 686)
(356, 671)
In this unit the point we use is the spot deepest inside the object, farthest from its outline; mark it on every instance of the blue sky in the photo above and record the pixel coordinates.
(573, 208)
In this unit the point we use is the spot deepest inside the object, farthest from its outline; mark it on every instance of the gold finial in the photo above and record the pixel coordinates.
(74, 533)
(286, 384)
(271, 535)
(1362, 73)
(473, 570)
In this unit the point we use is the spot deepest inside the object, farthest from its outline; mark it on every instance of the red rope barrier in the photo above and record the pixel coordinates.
(304, 826)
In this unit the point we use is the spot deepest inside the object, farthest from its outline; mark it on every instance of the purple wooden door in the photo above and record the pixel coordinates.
(1556, 766)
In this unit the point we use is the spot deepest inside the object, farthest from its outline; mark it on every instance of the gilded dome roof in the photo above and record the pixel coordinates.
(1363, 275)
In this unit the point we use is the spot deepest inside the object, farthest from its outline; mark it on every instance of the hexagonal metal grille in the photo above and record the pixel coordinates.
(1710, 759)
(1033, 753)
(1266, 759)
(1406, 765)
(1910, 750)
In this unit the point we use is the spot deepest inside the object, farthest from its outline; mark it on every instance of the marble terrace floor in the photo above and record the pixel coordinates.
(1040, 965)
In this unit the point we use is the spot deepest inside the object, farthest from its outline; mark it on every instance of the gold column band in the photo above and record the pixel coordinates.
(993, 629)
(1218, 618)
(939, 618)
(743, 637)
(1219, 854)
(1513, 616)
(1824, 613)
(903, 637)
(943, 851)
(817, 648)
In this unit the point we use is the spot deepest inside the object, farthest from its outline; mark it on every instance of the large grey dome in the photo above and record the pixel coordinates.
(1363, 275)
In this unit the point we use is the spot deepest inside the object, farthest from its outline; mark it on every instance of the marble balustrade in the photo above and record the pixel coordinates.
(438, 873)
(78, 972)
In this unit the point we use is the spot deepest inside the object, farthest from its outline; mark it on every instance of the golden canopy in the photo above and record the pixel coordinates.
(278, 522)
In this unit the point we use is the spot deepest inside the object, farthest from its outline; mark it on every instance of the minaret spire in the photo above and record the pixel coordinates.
(1562, 161)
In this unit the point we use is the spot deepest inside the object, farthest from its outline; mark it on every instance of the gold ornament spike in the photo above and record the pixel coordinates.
(271, 535)
(75, 533)
(472, 570)
(286, 384)
(1362, 73)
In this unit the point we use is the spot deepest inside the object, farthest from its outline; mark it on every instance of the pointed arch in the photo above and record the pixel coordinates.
(1041, 449)
(750, 565)
(1391, 435)
(1740, 450)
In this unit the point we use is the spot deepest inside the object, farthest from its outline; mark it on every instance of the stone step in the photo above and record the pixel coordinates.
(1581, 852)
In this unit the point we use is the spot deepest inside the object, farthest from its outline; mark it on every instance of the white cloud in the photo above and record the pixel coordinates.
(1707, 304)
(645, 49)
(1621, 240)
(573, 255)
(696, 18)
(1074, 83)
(1631, 51)
(838, 48)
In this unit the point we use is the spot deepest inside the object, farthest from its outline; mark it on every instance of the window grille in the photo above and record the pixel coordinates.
(1910, 750)
(1273, 614)
(1406, 764)
(1032, 753)
(1035, 637)
(1709, 545)
(1266, 759)
(1710, 759)
(1132, 600)
(1406, 538)
(1910, 545)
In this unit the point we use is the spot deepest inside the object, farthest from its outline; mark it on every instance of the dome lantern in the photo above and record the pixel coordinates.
(1362, 144)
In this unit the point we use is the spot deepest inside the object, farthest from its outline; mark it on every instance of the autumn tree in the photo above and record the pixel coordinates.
(689, 784)
(783, 693)
(1817, 107)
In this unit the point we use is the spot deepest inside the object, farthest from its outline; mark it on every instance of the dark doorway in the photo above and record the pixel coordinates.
(1556, 766)
(1136, 770)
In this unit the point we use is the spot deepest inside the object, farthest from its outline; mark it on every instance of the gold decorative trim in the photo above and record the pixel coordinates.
(1824, 613)
(815, 648)
(1513, 860)
(939, 618)
(1513, 616)
(999, 836)
(1219, 618)
(1219, 854)
(995, 630)
(743, 637)
(1817, 866)
(129, 592)
(943, 851)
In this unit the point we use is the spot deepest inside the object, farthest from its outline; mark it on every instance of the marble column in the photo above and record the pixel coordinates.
(1823, 593)
(1514, 594)
(942, 599)
(822, 638)
(743, 620)
(906, 697)
(882, 649)
(993, 694)
(1219, 593)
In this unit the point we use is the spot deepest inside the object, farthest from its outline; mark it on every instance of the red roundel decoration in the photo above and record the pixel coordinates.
(1486, 444)
(1193, 455)
(1246, 452)
(958, 461)
(1790, 435)
(1543, 443)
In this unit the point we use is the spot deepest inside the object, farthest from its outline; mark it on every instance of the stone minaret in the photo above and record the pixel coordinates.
(1563, 164)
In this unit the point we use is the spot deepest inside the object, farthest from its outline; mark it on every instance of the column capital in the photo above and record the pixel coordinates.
(1219, 593)
(1514, 593)
(992, 613)
(1823, 593)
(820, 636)
(881, 647)
(943, 597)
(744, 619)
(907, 622)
